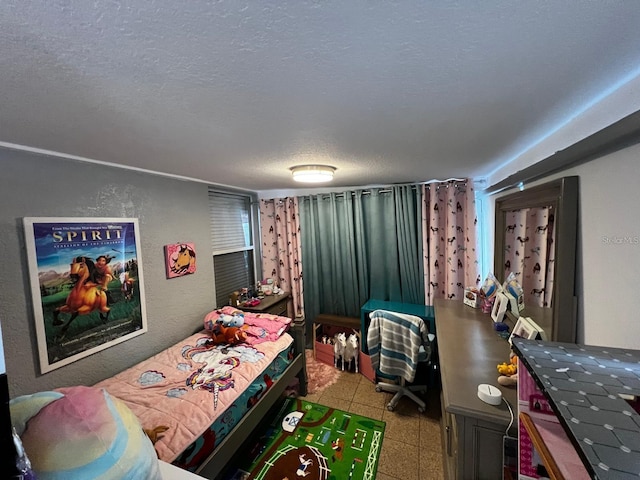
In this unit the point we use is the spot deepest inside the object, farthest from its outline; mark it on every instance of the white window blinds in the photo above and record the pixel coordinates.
(232, 244)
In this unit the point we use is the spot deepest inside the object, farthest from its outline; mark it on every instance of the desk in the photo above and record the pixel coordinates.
(472, 431)
(423, 311)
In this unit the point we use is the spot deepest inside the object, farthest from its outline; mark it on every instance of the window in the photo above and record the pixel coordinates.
(232, 237)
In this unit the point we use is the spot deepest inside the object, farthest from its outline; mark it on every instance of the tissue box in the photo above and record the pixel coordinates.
(472, 297)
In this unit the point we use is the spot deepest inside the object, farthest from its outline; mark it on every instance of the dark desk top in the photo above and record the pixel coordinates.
(470, 351)
(422, 311)
(583, 384)
(266, 302)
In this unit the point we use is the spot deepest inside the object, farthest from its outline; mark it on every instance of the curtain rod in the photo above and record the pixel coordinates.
(443, 183)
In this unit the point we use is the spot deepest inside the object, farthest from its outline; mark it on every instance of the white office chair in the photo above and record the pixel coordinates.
(397, 344)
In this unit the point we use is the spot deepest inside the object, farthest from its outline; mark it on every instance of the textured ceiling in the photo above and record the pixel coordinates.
(236, 92)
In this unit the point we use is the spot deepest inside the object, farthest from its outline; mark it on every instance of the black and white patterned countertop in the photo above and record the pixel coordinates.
(583, 384)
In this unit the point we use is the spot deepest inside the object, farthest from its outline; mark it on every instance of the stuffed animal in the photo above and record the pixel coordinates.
(77, 433)
(227, 316)
(510, 368)
(508, 372)
(227, 335)
(235, 320)
(510, 381)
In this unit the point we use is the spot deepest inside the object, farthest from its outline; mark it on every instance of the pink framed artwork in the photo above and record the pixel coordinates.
(180, 259)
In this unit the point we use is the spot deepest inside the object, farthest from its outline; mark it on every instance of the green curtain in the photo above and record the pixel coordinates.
(359, 245)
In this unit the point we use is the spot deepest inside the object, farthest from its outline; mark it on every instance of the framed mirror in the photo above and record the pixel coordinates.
(535, 237)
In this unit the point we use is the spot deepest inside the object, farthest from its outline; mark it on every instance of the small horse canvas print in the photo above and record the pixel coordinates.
(180, 259)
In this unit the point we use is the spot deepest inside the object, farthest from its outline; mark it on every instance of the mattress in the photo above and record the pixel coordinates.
(199, 391)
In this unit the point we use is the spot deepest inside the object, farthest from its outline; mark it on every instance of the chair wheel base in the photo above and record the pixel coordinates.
(390, 408)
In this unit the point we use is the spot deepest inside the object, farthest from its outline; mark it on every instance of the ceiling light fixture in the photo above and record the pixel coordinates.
(312, 173)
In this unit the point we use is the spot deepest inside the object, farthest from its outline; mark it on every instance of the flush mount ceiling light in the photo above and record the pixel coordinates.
(312, 173)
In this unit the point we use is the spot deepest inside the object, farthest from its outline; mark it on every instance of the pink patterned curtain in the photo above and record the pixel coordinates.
(281, 251)
(449, 239)
(529, 252)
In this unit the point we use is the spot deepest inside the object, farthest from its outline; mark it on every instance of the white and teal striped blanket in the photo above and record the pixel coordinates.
(394, 341)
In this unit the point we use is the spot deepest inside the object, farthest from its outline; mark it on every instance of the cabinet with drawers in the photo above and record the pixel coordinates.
(472, 431)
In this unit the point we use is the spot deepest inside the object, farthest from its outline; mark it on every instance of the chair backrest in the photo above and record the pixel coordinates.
(394, 341)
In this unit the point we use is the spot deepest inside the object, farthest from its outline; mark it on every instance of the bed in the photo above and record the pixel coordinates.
(211, 397)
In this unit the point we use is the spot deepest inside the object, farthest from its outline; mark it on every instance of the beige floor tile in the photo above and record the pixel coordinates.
(334, 402)
(351, 377)
(366, 394)
(399, 460)
(431, 466)
(430, 435)
(344, 389)
(366, 410)
(384, 476)
(402, 428)
(312, 397)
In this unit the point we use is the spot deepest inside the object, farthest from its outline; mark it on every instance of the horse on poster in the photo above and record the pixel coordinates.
(85, 297)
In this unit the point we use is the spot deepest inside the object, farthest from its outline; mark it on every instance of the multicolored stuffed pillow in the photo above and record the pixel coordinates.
(82, 433)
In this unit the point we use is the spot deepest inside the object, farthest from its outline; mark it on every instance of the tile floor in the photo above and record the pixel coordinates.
(411, 448)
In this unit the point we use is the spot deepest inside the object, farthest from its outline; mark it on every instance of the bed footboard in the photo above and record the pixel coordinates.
(298, 332)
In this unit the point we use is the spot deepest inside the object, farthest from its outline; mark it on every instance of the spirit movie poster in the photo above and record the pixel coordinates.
(86, 285)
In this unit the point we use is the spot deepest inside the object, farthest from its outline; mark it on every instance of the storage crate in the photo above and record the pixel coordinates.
(324, 351)
(364, 363)
(324, 354)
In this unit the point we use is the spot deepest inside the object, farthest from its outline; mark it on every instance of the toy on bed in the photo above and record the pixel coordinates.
(83, 432)
(210, 396)
(227, 317)
(235, 320)
(229, 335)
(257, 327)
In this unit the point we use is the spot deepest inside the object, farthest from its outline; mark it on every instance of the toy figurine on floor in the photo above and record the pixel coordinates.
(351, 351)
(339, 344)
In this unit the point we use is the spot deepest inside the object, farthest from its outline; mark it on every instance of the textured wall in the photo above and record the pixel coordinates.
(168, 210)
(608, 252)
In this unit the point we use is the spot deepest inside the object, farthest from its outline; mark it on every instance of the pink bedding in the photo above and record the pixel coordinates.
(259, 327)
(189, 385)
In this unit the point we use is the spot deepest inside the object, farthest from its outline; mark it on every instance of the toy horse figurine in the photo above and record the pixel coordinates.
(351, 351)
(339, 344)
